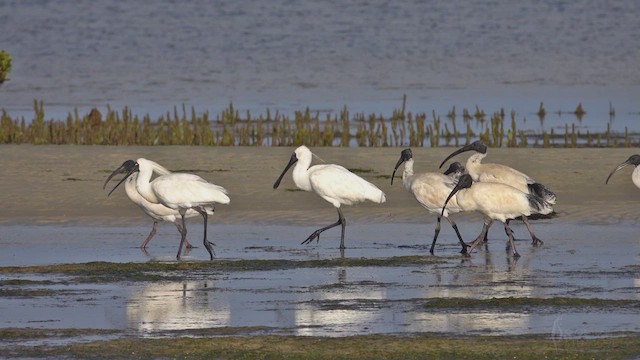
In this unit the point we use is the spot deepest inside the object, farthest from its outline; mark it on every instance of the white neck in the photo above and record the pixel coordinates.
(130, 186)
(407, 173)
(301, 173)
(635, 176)
(143, 184)
(473, 165)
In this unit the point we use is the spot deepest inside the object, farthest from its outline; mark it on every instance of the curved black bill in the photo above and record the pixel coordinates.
(400, 161)
(621, 166)
(632, 160)
(464, 182)
(459, 151)
(292, 161)
(405, 155)
(128, 167)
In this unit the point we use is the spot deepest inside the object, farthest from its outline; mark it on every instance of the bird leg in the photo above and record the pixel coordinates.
(183, 233)
(153, 232)
(187, 244)
(207, 244)
(511, 245)
(316, 234)
(535, 241)
(435, 236)
(481, 238)
(455, 227)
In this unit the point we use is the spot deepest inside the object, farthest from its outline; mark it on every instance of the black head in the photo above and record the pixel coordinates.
(128, 167)
(632, 160)
(464, 182)
(405, 155)
(454, 168)
(477, 146)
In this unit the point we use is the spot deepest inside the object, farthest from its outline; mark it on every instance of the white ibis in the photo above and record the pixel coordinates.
(431, 190)
(331, 182)
(178, 191)
(496, 201)
(635, 175)
(498, 173)
(157, 212)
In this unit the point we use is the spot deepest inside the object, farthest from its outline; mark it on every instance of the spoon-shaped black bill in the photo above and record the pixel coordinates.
(292, 161)
(128, 167)
(464, 182)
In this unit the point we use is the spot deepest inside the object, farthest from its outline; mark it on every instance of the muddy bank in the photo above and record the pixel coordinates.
(63, 184)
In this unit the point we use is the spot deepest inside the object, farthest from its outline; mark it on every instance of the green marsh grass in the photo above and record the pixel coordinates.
(231, 127)
(211, 344)
(5, 65)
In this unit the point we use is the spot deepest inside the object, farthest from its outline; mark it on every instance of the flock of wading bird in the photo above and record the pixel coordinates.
(496, 191)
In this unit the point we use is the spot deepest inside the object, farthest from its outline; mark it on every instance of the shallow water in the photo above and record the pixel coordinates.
(289, 55)
(333, 301)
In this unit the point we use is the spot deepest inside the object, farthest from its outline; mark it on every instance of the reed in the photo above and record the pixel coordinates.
(541, 112)
(579, 112)
(5, 65)
(185, 126)
(612, 112)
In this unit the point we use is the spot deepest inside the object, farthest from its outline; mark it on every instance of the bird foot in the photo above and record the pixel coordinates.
(465, 248)
(315, 235)
(209, 245)
(537, 242)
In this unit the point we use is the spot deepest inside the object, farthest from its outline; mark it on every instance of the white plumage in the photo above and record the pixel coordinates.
(333, 183)
(498, 173)
(178, 191)
(635, 175)
(497, 201)
(157, 212)
(431, 190)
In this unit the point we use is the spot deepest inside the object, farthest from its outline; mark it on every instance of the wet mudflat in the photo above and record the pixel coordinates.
(581, 283)
(72, 277)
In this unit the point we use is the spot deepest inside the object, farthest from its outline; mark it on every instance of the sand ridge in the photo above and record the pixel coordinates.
(63, 184)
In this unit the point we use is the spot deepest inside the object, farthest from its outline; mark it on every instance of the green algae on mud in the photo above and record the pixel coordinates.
(157, 271)
(7, 334)
(361, 347)
(527, 302)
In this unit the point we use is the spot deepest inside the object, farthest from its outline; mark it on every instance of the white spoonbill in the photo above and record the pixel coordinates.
(498, 173)
(496, 201)
(431, 190)
(635, 175)
(157, 212)
(331, 182)
(178, 191)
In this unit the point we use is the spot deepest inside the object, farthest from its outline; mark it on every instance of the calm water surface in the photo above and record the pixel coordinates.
(286, 55)
(335, 300)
